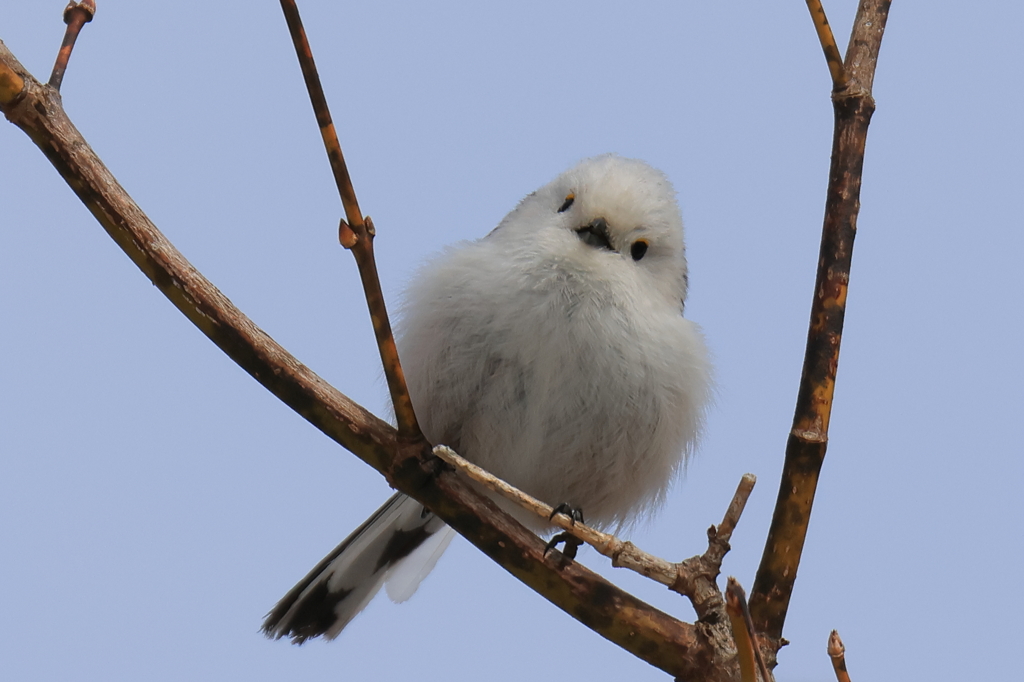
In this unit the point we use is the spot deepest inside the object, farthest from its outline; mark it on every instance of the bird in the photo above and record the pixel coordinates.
(554, 353)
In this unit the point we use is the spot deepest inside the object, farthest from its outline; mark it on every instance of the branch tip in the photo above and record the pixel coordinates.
(86, 7)
(736, 507)
(837, 652)
(76, 15)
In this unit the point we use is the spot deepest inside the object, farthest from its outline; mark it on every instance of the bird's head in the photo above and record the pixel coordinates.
(611, 216)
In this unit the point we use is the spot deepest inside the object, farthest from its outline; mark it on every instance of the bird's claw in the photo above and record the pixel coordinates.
(575, 514)
(572, 544)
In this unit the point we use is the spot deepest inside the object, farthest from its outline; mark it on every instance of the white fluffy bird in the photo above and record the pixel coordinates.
(553, 353)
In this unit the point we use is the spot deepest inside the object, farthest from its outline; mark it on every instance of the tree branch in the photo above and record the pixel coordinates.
(808, 439)
(828, 43)
(696, 577)
(356, 234)
(76, 15)
(651, 635)
(693, 578)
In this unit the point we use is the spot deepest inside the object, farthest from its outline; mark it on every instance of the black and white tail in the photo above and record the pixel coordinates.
(398, 545)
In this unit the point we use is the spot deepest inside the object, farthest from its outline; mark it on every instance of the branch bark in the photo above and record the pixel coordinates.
(651, 635)
(808, 439)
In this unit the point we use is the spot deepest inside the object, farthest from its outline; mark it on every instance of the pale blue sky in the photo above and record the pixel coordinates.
(155, 501)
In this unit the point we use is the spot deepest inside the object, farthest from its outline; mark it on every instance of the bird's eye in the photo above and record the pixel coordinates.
(569, 198)
(639, 249)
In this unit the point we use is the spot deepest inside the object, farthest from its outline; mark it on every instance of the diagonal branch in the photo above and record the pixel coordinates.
(696, 577)
(357, 233)
(828, 43)
(651, 635)
(808, 439)
(693, 578)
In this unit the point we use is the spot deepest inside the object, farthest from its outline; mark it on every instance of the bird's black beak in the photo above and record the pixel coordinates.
(596, 234)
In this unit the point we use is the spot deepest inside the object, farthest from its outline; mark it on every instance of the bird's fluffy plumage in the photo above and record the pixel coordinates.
(554, 353)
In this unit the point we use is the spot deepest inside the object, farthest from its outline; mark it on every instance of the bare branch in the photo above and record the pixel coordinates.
(828, 43)
(356, 234)
(735, 510)
(651, 635)
(76, 15)
(697, 576)
(694, 578)
(865, 44)
(323, 115)
(606, 544)
(808, 439)
(622, 554)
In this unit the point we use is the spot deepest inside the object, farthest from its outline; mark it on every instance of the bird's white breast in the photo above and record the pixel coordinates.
(575, 387)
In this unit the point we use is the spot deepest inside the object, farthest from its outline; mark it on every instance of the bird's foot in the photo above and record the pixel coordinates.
(571, 542)
(575, 514)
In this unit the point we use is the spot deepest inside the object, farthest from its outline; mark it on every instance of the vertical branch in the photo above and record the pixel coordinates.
(76, 15)
(808, 439)
(356, 232)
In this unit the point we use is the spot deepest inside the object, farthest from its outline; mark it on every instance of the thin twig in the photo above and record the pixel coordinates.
(624, 554)
(680, 577)
(323, 115)
(76, 15)
(808, 438)
(697, 577)
(837, 652)
(828, 44)
(355, 232)
(735, 510)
